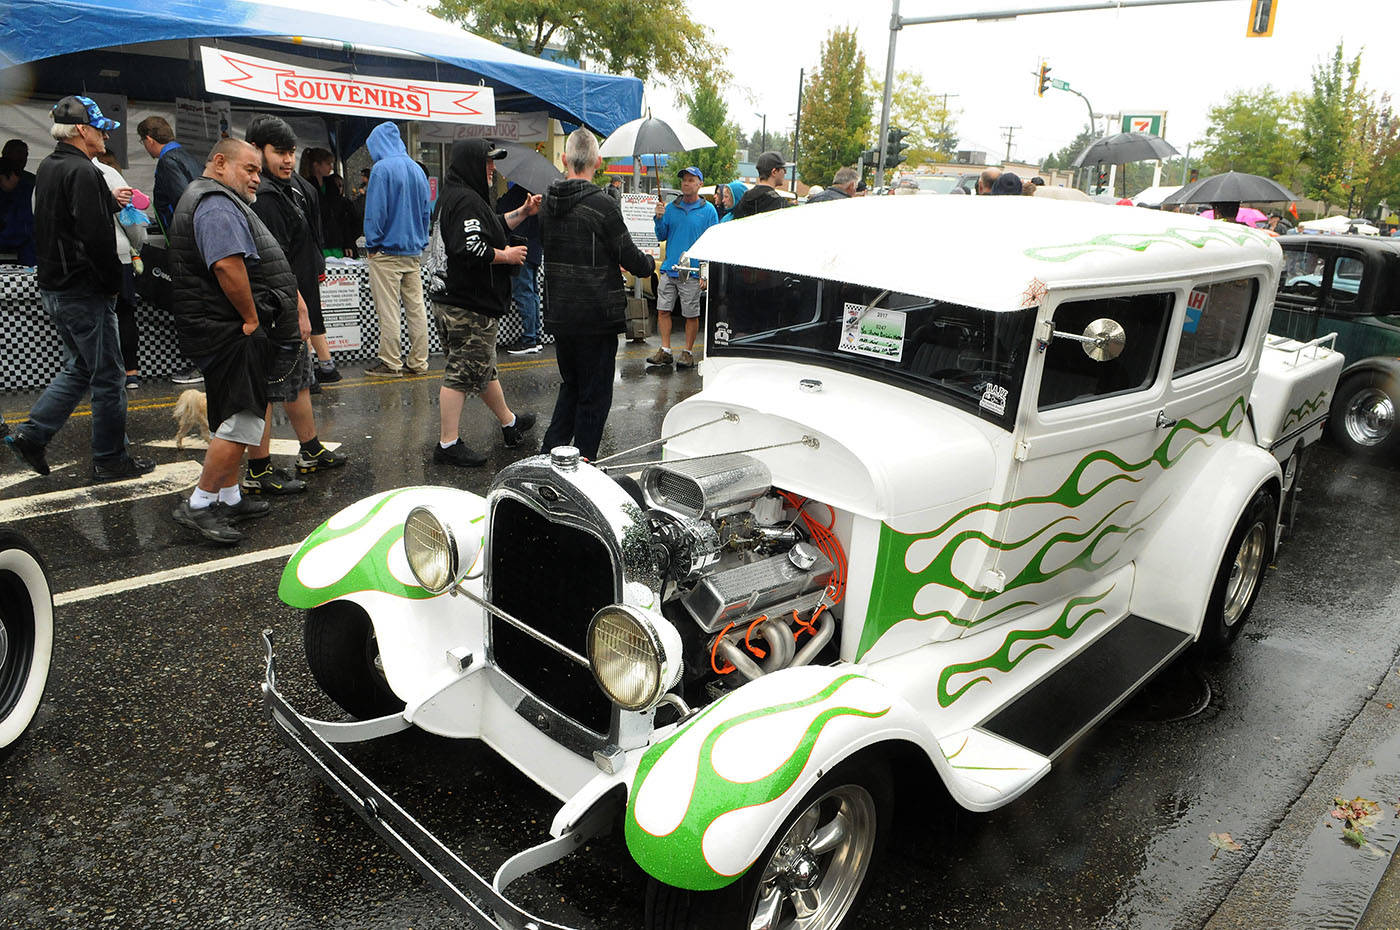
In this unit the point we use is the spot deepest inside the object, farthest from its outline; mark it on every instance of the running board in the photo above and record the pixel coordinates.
(1067, 702)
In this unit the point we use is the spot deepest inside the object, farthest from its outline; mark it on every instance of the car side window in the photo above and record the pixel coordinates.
(1217, 318)
(1301, 280)
(1071, 376)
(1347, 273)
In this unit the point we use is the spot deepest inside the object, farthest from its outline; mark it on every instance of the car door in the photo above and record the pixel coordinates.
(1353, 306)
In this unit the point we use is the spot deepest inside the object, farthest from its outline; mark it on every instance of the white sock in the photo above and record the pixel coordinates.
(666, 349)
(510, 424)
(230, 495)
(201, 498)
(447, 445)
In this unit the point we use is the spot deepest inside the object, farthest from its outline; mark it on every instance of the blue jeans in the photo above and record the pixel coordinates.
(93, 361)
(525, 293)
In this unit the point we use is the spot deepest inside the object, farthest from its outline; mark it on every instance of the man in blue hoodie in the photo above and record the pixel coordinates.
(679, 224)
(397, 213)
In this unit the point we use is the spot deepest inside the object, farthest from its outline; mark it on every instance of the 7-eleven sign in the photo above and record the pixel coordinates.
(1149, 123)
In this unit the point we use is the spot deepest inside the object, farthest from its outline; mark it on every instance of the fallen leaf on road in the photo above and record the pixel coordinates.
(1357, 814)
(1223, 841)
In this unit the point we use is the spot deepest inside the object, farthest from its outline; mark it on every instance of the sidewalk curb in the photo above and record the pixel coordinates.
(1305, 876)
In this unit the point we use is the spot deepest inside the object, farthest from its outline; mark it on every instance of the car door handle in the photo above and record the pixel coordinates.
(1164, 421)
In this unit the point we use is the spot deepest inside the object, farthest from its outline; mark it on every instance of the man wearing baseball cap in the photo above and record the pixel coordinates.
(679, 224)
(79, 276)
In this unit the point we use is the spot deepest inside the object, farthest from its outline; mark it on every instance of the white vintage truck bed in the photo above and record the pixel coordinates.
(1293, 391)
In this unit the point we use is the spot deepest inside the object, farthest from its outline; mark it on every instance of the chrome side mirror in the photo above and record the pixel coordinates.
(1103, 339)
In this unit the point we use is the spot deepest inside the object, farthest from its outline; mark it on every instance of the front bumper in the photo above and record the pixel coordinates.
(468, 891)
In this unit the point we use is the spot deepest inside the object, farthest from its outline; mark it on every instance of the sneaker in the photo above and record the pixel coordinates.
(514, 434)
(686, 360)
(272, 481)
(382, 370)
(326, 375)
(523, 347)
(325, 459)
(459, 454)
(28, 451)
(123, 468)
(210, 522)
(133, 382)
(192, 376)
(660, 357)
(246, 509)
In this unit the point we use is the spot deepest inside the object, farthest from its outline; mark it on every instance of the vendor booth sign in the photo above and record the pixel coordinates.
(509, 127)
(340, 307)
(639, 215)
(237, 75)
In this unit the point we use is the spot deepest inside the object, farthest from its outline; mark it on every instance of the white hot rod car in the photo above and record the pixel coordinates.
(964, 474)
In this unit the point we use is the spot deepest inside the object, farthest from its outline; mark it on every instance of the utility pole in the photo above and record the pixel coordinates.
(797, 128)
(1010, 132)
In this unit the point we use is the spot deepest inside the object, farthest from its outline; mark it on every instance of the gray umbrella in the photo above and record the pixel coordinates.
(526, 167)
(1124, 147)
(1232, 187)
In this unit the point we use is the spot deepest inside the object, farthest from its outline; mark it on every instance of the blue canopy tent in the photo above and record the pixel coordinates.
(98, 39)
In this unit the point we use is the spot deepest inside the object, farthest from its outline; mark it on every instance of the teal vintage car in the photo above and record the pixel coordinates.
(1349, 285)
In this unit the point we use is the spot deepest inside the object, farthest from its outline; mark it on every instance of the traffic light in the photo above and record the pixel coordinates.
(895, 146)
(1043, 82)
(1103, 178)
(1261, 18)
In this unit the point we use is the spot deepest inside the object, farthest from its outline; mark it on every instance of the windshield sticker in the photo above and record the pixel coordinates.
(1195, 307)
(876, 333)
(721, 333)
(994, 399)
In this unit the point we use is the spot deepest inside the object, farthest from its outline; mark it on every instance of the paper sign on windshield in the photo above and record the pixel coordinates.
(876, 333)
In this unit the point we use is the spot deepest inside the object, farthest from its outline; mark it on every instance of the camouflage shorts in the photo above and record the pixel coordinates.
(470, 341)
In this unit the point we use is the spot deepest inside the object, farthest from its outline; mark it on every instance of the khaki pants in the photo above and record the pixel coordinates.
(391, 278)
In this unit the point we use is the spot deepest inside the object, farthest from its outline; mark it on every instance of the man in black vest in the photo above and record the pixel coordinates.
(287, 204)
(235, 303)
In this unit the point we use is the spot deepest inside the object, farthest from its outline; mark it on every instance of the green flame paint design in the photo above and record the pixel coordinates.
(894, 587)
(1178, 237)
(1306, 408)
(1001, 660)
(371, 573)
(678, 858)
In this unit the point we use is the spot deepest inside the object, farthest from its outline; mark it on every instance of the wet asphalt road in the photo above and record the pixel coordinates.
(152, 793)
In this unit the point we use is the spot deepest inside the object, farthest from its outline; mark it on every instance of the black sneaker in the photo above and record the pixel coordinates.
(459, 454)
(514, 435)
(326, 375)
(272, 481)
(28, 451)
(122, 469)
(246, 509)
(306, 462)
(210, 522)
(192, 376)
(133, 382)
(523, 347)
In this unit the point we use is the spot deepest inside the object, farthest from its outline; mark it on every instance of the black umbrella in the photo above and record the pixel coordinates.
(1232, 187)
(528, 168)
(1123, 147)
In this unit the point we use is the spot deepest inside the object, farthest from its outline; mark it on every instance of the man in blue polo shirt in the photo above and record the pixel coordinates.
(679, 224)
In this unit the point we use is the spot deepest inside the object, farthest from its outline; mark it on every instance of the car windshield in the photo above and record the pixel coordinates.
(939, 185)
(974, 359)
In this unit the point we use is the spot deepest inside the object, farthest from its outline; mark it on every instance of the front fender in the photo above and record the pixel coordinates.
(360, 549)
(1176, 570)
(706, 800)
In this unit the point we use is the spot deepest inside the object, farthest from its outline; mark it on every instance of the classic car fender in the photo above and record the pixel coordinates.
(1385, 364)
(707, 799)
(1177, 568)
(357, 555)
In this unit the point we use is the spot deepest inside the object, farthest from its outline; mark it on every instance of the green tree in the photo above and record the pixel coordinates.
(706, 110)
(1331, 115)
(933, 131)
(1065, 157)
(835, 110)
(1379, 144)
(663, 38)
(1257, 131)
(779, 141)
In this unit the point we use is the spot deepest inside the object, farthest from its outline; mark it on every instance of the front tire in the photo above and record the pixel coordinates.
(1363, 418)
(343, 654)
(1242, 566)
(812, 875)
(26, 634)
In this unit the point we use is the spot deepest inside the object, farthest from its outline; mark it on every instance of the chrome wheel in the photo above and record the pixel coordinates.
(816, 870)
(1245, 573)
(1369, 417)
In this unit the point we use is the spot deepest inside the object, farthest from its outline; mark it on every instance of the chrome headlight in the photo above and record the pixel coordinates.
(439, 551)
(635, 655)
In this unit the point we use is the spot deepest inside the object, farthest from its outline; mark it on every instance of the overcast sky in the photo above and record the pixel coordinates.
(1181, 59)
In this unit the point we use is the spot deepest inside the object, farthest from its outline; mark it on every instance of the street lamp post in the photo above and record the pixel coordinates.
(763, 140)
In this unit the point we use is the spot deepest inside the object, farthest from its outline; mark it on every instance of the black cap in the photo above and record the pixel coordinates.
(768, 162)
(81, 111)
(496, 154)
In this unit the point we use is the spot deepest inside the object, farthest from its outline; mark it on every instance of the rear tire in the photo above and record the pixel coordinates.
(858, 794)
(1242, 566)
(343, 654)
(1363, 418)
(26, 634)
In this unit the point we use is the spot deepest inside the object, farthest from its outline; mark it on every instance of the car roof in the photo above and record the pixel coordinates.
(1385, 244)
(995, 253)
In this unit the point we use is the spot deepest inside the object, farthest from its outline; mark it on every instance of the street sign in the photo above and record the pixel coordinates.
(1149, 123)
(1059, 84)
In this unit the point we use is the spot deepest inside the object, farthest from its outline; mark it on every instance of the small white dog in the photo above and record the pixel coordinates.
(191, 412)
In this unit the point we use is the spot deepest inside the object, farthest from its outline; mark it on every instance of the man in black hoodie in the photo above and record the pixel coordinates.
(585, 240)
(763, 196)
(477, 291)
